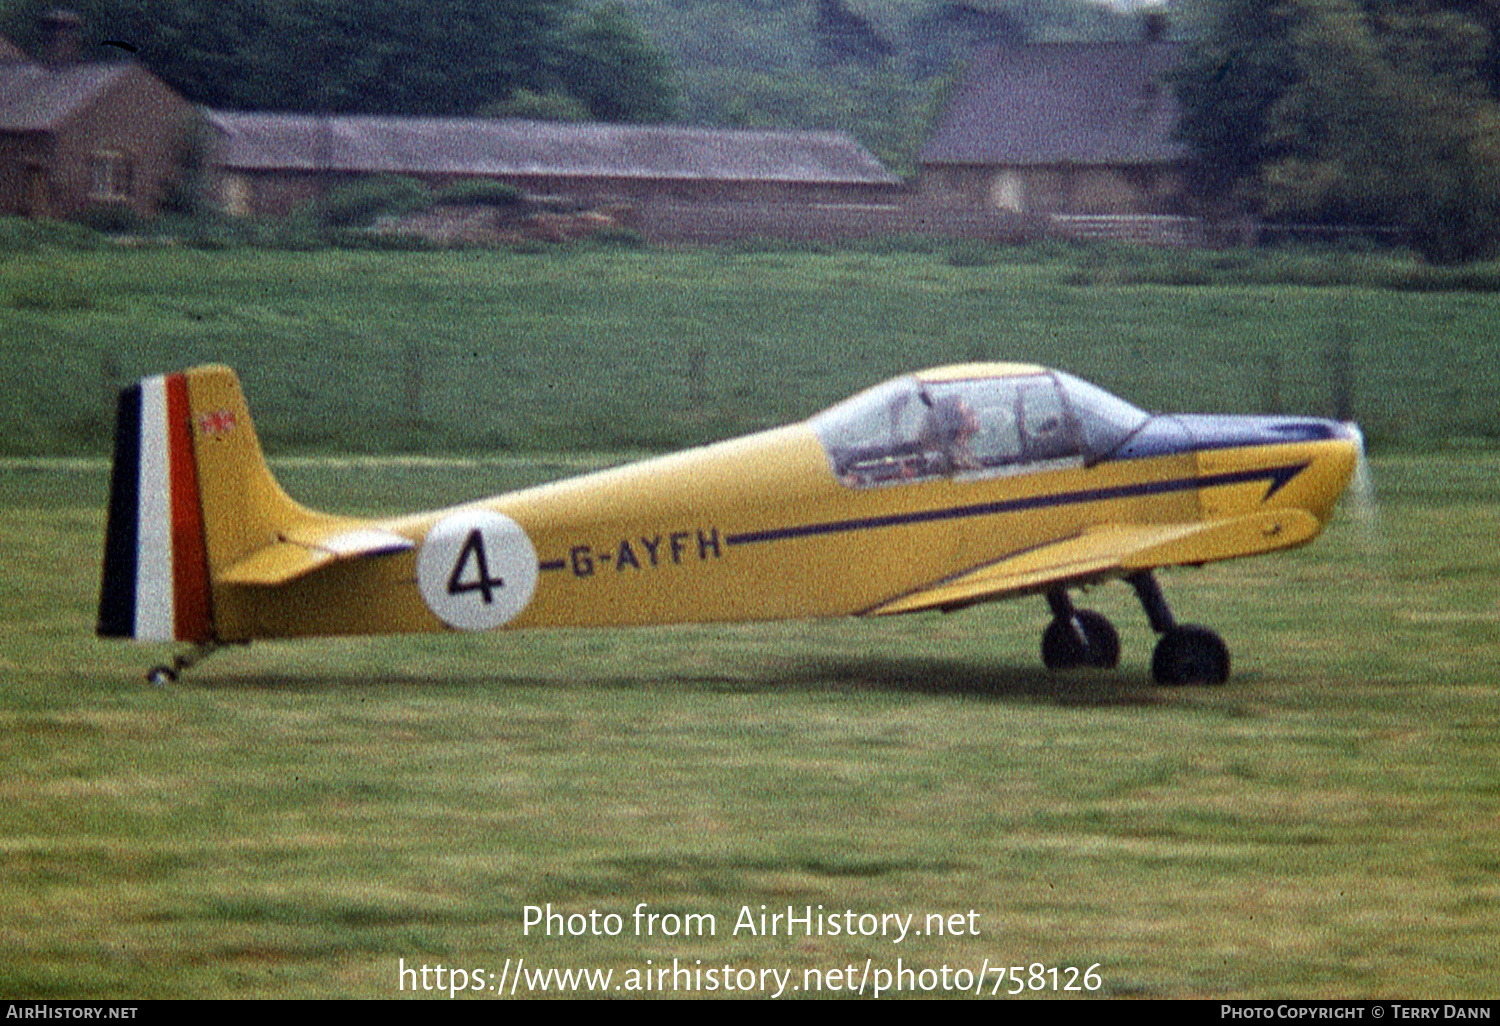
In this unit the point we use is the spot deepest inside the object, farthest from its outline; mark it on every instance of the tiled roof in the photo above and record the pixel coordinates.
(34, 98)
(1086, 103)
(492, 147)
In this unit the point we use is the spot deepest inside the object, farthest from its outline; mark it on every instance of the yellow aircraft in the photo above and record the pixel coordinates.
(937, 490)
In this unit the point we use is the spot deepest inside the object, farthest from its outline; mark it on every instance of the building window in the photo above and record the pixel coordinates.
(238, 195)
(111, 176)
(1008, 192)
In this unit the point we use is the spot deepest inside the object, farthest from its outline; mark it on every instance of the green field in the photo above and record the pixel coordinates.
(296, 819)
(300, 820)
(604, 349)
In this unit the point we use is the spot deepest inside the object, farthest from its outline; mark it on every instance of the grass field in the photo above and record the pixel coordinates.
(605, 349)
(296, 820)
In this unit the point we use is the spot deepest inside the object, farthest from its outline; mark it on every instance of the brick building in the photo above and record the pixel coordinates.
(76, 134)
(1062, 129)
(274, 163)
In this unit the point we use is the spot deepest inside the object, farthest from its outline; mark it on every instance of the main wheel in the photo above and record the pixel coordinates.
(1086, 638)
(1190, 655)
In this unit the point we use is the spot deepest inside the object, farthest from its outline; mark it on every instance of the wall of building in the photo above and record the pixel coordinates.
(123, 147)
(25, 175)
(1055, 189)
(278, 193)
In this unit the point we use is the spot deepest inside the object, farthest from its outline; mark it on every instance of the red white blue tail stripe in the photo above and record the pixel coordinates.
(155, 580)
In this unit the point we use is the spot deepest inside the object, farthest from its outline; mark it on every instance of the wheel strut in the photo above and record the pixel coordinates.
(1186, 654)
(1155, 603)
(1060, 603)
(164, 674)
(1077, 637)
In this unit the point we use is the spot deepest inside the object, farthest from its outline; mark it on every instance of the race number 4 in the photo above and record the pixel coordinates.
(476, 570)
(483, 583)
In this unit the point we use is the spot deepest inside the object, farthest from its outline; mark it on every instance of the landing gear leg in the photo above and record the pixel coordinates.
(165, 674)
(1078, 637)
(1186, 653)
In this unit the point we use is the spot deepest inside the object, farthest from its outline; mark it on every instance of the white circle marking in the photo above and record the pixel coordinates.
(476, 569)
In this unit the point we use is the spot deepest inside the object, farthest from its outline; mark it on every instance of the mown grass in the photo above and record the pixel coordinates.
(293, 820)
(602, 349)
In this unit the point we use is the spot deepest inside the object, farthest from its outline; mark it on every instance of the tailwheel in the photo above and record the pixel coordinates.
(161, 676)
(168, 673)
(1078, 637)
(1190, 655)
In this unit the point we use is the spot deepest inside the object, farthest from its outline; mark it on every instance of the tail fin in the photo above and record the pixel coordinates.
(190, 494)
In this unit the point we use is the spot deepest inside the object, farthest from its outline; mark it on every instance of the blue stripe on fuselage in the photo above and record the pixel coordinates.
(1276, 477)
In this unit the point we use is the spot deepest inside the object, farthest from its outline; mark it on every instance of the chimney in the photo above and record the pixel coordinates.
(59, 33)
(1154, 26)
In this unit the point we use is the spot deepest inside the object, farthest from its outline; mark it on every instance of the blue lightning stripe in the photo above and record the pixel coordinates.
(1276, 477)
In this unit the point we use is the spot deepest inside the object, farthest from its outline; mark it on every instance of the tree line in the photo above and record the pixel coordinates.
(1380, 113)
(1372, 112)
(875, 68)
(434, 57)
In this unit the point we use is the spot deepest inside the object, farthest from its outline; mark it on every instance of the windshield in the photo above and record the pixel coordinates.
(1104, 420)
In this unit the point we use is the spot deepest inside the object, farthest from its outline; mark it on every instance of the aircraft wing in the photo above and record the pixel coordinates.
(1106, 552)
(298, 553)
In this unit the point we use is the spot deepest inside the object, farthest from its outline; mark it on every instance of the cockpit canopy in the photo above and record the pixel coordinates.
(916, 428)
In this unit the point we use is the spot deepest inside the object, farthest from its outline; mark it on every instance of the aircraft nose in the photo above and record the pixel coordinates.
(1333, 468)
(1308, 461)
(1234, 432)
(1352, 432)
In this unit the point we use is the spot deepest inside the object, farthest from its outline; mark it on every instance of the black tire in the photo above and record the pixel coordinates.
(1190, 655)
(1087, 639)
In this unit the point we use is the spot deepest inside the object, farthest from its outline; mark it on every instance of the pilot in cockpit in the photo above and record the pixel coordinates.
(946, 434)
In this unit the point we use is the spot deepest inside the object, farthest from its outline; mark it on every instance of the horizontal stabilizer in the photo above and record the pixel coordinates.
(291, 558)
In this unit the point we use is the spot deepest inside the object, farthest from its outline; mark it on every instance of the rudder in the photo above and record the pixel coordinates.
(190, 494)
(155, 580)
